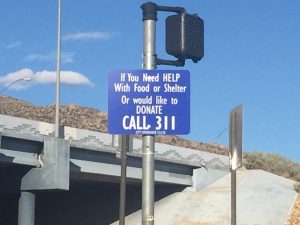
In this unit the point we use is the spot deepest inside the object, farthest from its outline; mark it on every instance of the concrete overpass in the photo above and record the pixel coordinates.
(34, 165)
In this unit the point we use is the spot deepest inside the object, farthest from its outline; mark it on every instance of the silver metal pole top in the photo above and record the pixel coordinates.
(149, 56)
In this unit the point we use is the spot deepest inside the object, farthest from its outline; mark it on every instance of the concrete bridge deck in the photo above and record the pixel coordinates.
(95, 156)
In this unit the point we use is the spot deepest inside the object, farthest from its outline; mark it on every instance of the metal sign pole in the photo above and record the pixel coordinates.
(124, 149)
(149, 62)
(235, 147)
(233, 196)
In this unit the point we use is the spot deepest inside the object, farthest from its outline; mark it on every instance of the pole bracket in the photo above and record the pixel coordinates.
(178, 62)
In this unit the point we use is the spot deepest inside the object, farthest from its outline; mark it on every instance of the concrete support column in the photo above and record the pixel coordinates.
(26, 214)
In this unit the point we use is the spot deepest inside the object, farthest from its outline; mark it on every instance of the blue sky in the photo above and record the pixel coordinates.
(251, 57)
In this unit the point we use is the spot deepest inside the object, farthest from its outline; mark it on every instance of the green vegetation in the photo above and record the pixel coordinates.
(273, 163)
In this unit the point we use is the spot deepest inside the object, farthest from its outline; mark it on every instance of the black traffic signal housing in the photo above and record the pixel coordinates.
(185, 36)
(184, 33)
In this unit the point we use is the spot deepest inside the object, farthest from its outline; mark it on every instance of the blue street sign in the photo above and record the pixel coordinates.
(149, 102)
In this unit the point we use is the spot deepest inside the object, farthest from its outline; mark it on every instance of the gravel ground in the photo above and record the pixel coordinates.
(294, 218)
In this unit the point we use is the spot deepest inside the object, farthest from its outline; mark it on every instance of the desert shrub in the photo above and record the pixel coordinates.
(297, 187)
(273, 163)
(297, 177)
(252, 160)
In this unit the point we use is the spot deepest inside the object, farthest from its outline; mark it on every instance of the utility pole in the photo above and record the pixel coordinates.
(149, 62)
(58, 72)
(184, 40)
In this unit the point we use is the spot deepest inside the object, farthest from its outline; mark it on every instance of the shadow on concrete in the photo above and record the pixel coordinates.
(88, 203)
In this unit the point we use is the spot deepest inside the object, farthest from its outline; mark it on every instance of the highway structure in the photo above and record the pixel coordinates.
(33, 163)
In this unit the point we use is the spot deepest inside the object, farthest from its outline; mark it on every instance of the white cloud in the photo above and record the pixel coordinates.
(43, 77)
(66, 77)
(65, 57)
(12, 77)
(13, 45)
(89, 36)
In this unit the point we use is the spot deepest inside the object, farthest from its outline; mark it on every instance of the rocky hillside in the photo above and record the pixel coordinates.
(73, 115)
